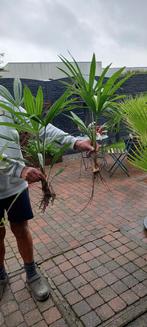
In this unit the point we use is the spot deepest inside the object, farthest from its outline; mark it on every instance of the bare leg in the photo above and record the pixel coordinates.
(2, 246)
(37, 284)
(3, 275)
(24, 240)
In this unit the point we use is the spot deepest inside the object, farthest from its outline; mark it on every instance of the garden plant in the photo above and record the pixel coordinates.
(99, 97)
(32, 121)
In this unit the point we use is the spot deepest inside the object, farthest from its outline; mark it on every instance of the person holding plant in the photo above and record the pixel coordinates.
(14, 179)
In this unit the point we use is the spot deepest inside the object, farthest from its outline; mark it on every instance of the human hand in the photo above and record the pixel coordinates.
(31, 175)
(85, 145)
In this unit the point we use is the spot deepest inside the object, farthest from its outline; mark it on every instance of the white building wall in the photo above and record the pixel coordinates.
(114, 69)
(43, 70)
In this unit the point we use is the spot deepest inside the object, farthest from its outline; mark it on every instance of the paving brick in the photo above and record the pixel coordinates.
(59, 259)
(140, 275)
(113, 254)
(129, 297)
(115, 244)
(53, 272)
(98, 284)
(104, 312)
(86, 256)
(71, 273)
(107, 294)
(108, 238)
(83, 267)
(27, 305)
(81, 308)
(86, 290)
(76, 261)
(99, 242)
(110, 278)
(65, 288)
(1, 320)
(132, 245)
(95, 301)
(14, 319)
(73, 297)
(117, 304)
(22, 325)
(91, 319)
(104, 258)
(106, 248)
(60, 279)
(123, 239)
(122, 260)
(41, 323)
(140, 262)
(94, 263)
(130, 281)
(51, 315)
(111, 265)
(66, 265)
(32, 317)
(80, 250)
(101, 271)
(123, 249)
(120, 272)
(70, 254)
(140, 289)
(90, 246)
(78, 281)
(90, 275)
(119, 287)
(17, 286)
(22, 295)
(59, 323)
(140, 251)
(9, 307)
(130, 267)
(131, 255)
(96, 252)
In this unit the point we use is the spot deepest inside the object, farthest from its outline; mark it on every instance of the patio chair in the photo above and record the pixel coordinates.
(119, 154)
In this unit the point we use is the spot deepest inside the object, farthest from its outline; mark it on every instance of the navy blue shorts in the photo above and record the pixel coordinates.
(20, 210)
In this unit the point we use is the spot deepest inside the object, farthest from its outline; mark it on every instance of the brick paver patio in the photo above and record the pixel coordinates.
(95, 259)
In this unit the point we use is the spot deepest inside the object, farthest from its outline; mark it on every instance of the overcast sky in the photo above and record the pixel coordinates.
(40, 30)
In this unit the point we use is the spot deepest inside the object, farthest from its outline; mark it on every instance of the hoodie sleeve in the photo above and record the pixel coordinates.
(52, 133)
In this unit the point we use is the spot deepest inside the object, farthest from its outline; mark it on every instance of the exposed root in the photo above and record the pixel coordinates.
(96, 175)
(48, 195)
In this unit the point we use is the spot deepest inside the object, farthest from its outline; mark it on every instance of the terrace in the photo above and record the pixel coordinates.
(94, 259)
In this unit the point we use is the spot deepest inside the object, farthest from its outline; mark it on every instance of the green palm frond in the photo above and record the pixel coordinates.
(134, 112)
(138, 158)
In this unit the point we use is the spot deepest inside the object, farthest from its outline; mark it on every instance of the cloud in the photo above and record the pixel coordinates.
(42, 29)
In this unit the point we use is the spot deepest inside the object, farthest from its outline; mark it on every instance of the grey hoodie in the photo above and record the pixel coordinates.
(10, 171)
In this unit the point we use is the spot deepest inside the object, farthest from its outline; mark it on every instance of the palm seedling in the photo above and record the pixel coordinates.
(98, 97)
(32, 120)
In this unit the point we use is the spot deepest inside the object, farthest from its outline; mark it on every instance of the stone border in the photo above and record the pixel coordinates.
(128, 315)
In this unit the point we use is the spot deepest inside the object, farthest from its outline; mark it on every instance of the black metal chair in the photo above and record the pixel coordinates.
(119, 155)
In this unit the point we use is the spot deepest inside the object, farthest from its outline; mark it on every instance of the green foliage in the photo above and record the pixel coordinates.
(133, 112)
(31, 119)
(98, 96)
(31, 150)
